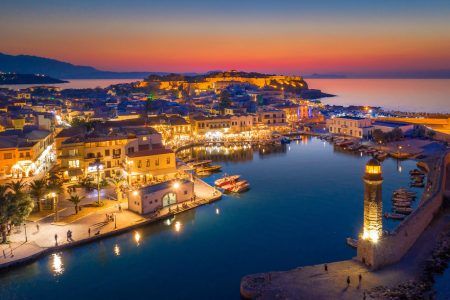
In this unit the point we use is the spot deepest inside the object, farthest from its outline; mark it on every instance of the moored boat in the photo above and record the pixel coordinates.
(394, 216)
(226, 180)
(352, 242)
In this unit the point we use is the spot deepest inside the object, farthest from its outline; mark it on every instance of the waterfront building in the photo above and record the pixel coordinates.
(350, 126)
(146, 166)
(202, 125)
(373, 207)
(271, 117)
(25, 153)
(151, 198)
(78, 148)
(386, 126)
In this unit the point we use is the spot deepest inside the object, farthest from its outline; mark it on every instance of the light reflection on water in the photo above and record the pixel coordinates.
(57, 265)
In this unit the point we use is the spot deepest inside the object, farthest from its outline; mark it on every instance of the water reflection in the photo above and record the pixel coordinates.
(57, 266)
(178, 226)
(116, 250)
(217, 211)
(137, 237)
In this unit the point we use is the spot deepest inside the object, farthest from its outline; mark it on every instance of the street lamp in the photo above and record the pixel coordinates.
(115, 221)
(25, 227)
(98, 166)
(52, 195)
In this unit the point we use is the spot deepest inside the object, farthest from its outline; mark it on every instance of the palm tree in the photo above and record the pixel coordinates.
(75, 199)
(117, 182)
(55, 186)
(17, 187)
(38, 190)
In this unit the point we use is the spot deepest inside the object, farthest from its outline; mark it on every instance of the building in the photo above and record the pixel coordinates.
(146, 166)
(25, 153)
(373, 207)
(78, 149)
(387, 126)
(202, 125)
(152, 198)
(350, 126)
(271, 117)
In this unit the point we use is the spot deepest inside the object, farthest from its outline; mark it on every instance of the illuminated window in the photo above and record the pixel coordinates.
(373, 169)
(74, 163)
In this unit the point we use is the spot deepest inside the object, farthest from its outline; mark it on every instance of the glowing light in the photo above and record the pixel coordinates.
(137, 237)
(177, 226)
(371, 235)
(176, 185)
(217, 211)
(135, 193)
(57, 264)
(116, 250)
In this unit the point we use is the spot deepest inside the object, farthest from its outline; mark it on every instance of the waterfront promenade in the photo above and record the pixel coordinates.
(89, 228)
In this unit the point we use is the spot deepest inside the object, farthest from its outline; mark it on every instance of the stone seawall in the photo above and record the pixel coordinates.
(391, 248)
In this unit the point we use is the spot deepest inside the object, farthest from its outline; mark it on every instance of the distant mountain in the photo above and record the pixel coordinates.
(27, 64)
(14, 78)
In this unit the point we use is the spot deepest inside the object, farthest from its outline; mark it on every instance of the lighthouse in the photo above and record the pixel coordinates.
(373, 205)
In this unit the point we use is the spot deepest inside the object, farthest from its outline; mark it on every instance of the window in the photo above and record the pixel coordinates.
(144, 138)
(74, 163)
(185, 192)
(7, 155)
(148, 163)
(21, 155)
(168, 160)
(157, 162)
(139, 164)
(27, 154)
(107, 152)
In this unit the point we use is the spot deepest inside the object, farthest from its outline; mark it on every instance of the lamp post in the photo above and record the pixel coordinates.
(55, 205)
(115, 221)
(25, 227)
(98, 167)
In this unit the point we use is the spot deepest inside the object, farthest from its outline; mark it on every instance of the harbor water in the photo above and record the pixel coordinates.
(305, 199)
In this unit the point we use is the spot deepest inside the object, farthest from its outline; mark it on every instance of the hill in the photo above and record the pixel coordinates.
(13, 78)
(27, 64)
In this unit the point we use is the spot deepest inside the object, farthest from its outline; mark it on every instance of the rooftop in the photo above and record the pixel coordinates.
(162, 186)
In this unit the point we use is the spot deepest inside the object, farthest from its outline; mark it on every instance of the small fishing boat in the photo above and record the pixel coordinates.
(199, 163)
(402, 204)
(416, 172)
(403, 210)
(203, 173)
(352, 242)
(226, 180)
(381, 155)
(240, 188)
(394, 216)
(417, 185)
(208, 168)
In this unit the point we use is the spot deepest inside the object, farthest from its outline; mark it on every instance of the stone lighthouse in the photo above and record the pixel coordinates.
(373, 218)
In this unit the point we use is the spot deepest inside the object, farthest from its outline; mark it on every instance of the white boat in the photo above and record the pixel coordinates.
(226, 180)
(240, 188)
(394, 216)
(352, 242)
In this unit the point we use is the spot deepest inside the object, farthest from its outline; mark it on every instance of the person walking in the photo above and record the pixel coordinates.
(89, 231)
(37, 227)
(68, 235)
(359, 278)
(325, 266)
(348, 280)
(56, 239)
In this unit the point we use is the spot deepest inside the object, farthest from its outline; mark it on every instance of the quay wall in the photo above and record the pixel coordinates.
(391, 248)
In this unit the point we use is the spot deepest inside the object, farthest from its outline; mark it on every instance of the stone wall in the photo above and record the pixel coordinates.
(391, 248)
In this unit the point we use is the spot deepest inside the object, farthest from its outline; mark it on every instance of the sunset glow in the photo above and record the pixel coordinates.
(300, 38)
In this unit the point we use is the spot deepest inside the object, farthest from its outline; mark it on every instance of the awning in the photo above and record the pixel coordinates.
(75, 172)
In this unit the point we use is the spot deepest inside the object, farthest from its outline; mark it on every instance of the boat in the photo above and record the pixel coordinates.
(402, 204)
(203, 173)
(209, 168)
(417, 185)
(352, 242)
(226, 180)
(199, 163)
(381, 155)
(240, 188)
(394, 216)
(416, 172)
(403, 210)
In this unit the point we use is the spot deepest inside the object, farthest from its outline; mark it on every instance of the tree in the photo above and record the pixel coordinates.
(55, 185)
(75, 199)
(117, 182)
(378, 136)
(38, 190)
(15, 207)
(418, 132)
(89, 184)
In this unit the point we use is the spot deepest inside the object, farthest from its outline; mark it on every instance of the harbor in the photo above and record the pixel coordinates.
(233, 227)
